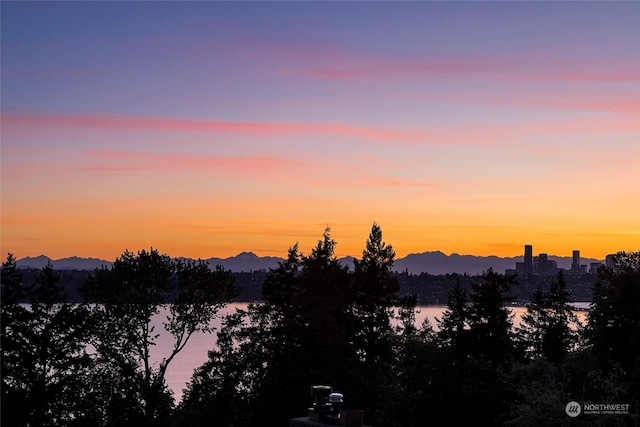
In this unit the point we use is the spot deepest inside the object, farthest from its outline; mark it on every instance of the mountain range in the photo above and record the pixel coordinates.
(434, 262)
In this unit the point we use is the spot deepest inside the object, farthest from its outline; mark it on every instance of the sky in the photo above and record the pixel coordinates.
(207, 129)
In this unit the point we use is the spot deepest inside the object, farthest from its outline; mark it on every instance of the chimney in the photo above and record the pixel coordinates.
(326, 410)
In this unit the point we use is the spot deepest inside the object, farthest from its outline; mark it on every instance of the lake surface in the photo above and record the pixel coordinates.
(196, 351)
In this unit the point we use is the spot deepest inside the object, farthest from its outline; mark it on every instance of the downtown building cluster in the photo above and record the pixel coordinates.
(542, 265)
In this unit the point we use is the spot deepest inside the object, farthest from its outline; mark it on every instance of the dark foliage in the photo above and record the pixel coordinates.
(475, 370)
(45, 366)
(126, 297)
(549, 328)
(317, 323)
(88, 364)
(430, 289)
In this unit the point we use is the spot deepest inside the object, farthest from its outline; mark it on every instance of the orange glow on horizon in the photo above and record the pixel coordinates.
(273, 239)
(201, 139)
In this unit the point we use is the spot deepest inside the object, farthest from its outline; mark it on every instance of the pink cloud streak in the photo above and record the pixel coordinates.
(209, 126)
(374, 67)
(512, 68)
(146, 161)
(263, 167)
(332, 61)
(478, 134)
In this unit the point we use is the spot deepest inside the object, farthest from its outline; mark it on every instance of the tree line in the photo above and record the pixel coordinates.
(430, 289)
(318, 323)
(89, 364)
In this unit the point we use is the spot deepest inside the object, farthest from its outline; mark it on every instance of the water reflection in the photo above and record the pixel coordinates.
(196, 351)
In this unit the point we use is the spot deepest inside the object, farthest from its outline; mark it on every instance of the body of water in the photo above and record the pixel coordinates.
(196, 351)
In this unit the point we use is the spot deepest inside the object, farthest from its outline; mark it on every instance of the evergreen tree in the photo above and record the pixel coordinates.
(13, 290)
(490, 321)
(281, 287)
(14, 396)
(549, 327)
(561, 336)
(324, 307)
(224, 387)
(45, 365)
(375, 295)
(534, 323)
(614, 322)
(300, 336)
(409, 399)
(453, 331)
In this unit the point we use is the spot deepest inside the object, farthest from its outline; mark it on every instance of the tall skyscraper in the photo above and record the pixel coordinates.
(545, 266)
(575, 265)
(528, 259)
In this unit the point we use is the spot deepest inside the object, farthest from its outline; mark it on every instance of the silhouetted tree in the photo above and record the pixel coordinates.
(409, 399)
(453, 329)
(535, 322)
(223, 388)
(262, 354)
(127, 297)
(320, 324)
(14, 396)
(45, 365)
(13, 290)
(490, 321)
(614, 322)
(375, 295)
(282, 288)
(301, 335)
(375, 298)
(562, 334)
(549, 327)
(325, 308)
(542, 389)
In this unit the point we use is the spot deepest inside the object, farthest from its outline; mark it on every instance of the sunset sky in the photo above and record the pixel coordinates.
(211, 128)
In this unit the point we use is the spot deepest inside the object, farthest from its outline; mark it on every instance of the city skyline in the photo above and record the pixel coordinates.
(252, 262)
(211, 128)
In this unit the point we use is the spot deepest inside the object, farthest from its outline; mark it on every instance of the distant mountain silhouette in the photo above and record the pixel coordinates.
(439, 263)
(33, 262)
(435, 263)
(347, 262)
(77, 263)
(71, 263)
(245, 262)
(248, 261)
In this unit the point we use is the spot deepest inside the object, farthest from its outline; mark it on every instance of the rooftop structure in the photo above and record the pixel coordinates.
(326, 410)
